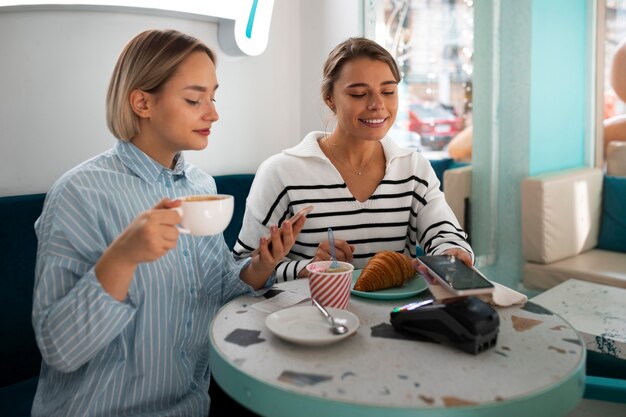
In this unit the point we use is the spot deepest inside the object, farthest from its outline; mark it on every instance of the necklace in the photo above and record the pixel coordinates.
(358, 171)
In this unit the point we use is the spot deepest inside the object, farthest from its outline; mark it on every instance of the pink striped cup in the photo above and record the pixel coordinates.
(331, 289)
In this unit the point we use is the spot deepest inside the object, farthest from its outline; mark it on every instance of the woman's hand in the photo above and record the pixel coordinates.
(271, 251)
(462, 255)
(149, 236)
(343, 251)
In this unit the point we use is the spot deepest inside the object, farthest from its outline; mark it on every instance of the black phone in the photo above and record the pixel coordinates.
(457, 277)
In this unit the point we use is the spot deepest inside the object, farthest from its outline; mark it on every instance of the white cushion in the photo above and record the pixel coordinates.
(560, 214)
(616, 159)
(599, 266)
(457, 187)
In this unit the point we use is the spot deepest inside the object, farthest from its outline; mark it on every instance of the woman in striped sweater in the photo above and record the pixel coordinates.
(373, 194)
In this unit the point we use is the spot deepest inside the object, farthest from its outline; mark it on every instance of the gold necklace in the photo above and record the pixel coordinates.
(358, 171)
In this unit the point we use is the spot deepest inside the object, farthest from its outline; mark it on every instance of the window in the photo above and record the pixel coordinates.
(432, 42)
(615, 33)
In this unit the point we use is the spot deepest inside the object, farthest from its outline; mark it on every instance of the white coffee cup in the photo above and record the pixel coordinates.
(205, 215)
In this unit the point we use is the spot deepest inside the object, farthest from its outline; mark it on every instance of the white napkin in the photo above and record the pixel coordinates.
(501, 296)
(280, 301)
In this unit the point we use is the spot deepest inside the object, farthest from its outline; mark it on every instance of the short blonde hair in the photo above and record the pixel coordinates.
(147, 62)
(349, 50)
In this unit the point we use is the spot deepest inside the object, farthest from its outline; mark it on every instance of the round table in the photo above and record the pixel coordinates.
(535, 369)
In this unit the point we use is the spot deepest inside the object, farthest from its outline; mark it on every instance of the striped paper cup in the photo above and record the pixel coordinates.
(331, 289)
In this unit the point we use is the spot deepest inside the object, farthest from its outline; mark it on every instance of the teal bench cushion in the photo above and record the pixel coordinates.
(612, 234)
(19, 355)
(237, 185)
(17, 400)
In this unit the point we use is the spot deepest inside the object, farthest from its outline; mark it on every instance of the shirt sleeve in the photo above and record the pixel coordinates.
(266, 205)
(437, 227)
(232, 284)
(73, 316)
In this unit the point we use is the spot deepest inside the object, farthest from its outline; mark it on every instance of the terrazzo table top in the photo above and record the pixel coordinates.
(536, 368)
(597, 311)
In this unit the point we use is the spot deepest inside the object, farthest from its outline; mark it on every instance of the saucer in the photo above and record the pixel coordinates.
(305, 325)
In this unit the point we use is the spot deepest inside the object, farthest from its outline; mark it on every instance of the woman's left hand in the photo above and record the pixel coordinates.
(462, 255)
(271, 251)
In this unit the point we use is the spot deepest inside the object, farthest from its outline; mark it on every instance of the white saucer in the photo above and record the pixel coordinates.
(305, 325)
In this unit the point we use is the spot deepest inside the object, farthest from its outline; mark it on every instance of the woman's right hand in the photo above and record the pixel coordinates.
(148, 237)
(343, 251)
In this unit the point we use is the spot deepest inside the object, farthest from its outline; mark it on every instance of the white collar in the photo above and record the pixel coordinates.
(309, 147)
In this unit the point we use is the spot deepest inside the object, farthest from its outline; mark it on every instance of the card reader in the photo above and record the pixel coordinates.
(466, 323)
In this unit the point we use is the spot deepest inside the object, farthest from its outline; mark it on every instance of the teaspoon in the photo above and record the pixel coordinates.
(334, 326)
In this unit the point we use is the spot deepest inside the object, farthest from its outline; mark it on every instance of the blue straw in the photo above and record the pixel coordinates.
(333, 254)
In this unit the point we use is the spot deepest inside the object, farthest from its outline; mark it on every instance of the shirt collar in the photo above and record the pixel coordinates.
(144, 166)
(309, 147)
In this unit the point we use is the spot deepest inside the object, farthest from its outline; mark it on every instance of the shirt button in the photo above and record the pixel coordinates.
(186, 252)
(192, 291)
(182, 354)
(193, 386)
(168, 184)
(189, 324)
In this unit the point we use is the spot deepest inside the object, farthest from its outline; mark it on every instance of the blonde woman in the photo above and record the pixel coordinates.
(122, 302)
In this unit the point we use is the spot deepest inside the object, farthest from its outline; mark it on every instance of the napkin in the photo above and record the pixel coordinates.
(501, 296)
(278, 302)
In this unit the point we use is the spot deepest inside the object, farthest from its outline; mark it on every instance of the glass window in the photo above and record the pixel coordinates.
(614, 84)
(614, 35)
(432, 42)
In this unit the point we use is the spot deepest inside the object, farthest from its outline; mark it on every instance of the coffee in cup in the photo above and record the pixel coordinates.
(205, 215)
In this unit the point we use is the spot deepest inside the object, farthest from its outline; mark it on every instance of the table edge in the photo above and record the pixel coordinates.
(274, 401)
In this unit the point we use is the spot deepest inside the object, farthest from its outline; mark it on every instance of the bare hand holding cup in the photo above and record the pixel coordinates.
(148, 237)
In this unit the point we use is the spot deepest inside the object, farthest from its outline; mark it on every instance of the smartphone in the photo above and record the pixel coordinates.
(457, 277)
(300, 213)
(292, 219)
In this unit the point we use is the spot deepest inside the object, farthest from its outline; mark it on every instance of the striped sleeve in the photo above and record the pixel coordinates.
(267, 204)
(436, 226)
(73, 316)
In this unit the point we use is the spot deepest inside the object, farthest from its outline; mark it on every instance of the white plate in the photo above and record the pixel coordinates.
(306, 325)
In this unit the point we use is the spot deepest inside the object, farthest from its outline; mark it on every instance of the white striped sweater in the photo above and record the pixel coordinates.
(407, 207)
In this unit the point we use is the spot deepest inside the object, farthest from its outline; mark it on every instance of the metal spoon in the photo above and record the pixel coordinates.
(335, 327)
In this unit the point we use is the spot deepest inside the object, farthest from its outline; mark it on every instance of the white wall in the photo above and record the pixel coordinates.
(55, 67)
(324, 24)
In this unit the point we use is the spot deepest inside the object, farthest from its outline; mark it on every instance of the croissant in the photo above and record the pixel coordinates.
(386, 269)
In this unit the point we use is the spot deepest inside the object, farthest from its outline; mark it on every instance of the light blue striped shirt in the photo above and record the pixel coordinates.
(148, 355)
